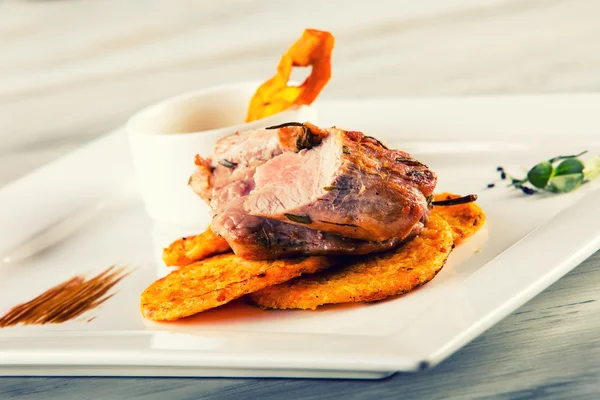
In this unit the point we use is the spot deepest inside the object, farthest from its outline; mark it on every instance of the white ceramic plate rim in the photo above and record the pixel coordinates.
(330, 354)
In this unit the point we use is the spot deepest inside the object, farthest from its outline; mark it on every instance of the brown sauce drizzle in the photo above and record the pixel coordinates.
(67, 300)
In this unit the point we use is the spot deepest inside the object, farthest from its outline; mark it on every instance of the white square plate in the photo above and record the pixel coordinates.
(527, 243)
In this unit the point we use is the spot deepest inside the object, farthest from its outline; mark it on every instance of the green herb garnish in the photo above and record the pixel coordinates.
(454, 202)
(338, 224)
(592, 168)
(561, 174)
(306, 140)
(227, 163)
(539, 175)
(301, 219)
(379, 142)
(329, 188)
(285, 124)
(345, 150)
(410, 161)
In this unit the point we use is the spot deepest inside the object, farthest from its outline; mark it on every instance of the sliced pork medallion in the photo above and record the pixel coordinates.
(300, 189)
(255, 237)
(350, 185)
(234, 159)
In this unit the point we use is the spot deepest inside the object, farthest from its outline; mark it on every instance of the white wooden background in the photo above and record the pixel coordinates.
(71, 70)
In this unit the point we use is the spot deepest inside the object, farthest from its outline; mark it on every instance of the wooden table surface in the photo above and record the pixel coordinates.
(72, 70)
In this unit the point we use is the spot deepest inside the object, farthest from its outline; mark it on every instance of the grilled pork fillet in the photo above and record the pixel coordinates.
(305, 190)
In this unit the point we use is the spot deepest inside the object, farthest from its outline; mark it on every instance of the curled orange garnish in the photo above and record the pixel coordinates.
(314, 49)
